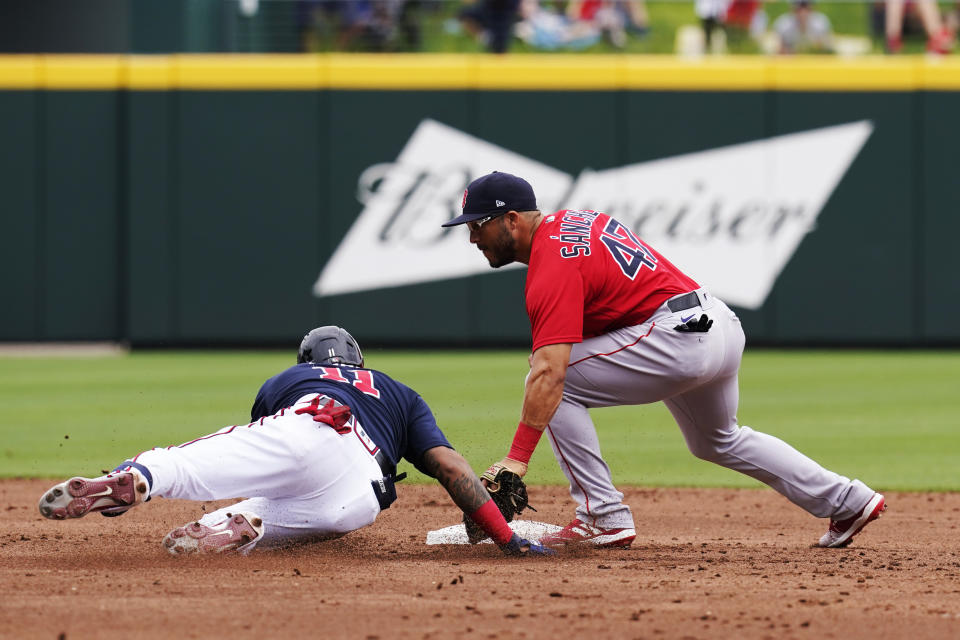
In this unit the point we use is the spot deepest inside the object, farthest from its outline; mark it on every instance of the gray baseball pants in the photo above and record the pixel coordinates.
(695, 374)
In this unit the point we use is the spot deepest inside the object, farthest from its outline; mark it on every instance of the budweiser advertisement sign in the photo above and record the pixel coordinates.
(730, 217)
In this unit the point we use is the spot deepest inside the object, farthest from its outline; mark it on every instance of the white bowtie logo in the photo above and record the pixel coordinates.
(730, 217)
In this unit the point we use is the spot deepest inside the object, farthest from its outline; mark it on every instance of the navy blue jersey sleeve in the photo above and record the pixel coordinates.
(422, 434)
(259, 408)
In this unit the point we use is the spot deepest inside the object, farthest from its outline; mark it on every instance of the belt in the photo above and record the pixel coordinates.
(387, 467)
(686, 301)
(384, 489)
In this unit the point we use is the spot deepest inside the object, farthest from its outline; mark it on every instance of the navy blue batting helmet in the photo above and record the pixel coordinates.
(330, 345)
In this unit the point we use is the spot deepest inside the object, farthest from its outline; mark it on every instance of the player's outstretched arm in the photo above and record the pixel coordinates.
(457, 477)
(468, 493)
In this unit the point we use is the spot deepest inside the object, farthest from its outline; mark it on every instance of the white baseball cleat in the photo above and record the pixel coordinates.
(841, 532)
(113, 494)
(578, 532)
(239, 532)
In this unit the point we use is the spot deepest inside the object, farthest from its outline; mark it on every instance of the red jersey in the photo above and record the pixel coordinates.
(589, 274)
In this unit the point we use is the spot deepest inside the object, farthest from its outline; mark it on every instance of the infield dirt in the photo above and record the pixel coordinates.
(705, 564)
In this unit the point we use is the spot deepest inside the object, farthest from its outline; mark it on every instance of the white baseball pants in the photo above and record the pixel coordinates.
(303, 479)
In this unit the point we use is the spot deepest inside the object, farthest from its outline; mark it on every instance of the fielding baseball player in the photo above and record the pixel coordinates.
(615, 323)
(317, 461)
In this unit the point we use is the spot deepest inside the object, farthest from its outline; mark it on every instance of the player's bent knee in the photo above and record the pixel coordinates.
(352, 517)
(709, 450)
(705, 453)
(716, 450)
(345, 525)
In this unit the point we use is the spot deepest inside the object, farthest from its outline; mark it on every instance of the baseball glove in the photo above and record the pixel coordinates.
(507, 491)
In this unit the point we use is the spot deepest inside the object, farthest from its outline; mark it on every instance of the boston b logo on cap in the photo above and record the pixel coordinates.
(495, 194)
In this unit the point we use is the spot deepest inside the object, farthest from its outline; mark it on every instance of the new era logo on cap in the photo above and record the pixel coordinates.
(495, 194)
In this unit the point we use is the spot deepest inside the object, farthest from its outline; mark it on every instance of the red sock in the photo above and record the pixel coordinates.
(491, 520)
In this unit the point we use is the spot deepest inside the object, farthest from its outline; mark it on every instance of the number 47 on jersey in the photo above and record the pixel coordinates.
(627, 249)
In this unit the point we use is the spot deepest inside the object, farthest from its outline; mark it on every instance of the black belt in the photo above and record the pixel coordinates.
(686, 301)
(383, 488)
(387, 467)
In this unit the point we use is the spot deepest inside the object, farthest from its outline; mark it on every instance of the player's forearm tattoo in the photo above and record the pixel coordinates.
(467, 492)
(460, 482)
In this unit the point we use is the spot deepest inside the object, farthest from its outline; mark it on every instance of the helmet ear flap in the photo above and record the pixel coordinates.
(358, 356)
(304, 355)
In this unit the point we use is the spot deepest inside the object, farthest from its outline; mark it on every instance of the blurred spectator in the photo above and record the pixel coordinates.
(939, 38)
(491, 21)
(600, 16)
(745, 18)
(638, 20)
(579, 24)
(356, 21)
(549, 26)
(804, 30)
(712, 15)
(611, 18)
(730, 22)
(952, 19)
(366, 25)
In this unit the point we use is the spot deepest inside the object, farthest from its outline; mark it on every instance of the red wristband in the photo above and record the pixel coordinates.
(491, 520)
(524, 442)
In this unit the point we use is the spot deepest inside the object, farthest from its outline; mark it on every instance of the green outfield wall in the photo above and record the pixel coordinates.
(198, 199)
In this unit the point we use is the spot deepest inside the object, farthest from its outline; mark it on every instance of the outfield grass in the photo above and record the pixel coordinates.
(888, 418)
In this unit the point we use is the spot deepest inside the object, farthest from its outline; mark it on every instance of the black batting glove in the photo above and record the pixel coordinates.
(697, 325)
